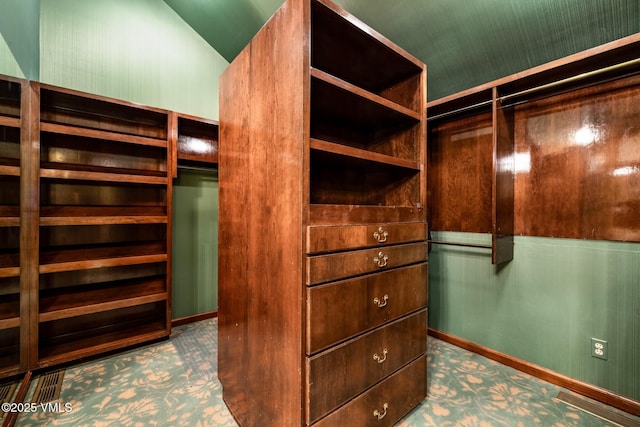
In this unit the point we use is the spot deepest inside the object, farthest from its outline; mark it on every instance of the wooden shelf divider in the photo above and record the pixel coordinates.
(101, 134)
(10, 121)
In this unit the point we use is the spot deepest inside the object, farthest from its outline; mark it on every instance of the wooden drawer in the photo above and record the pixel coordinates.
(344, 237)
(339, 374)
(324, 268)
(384, 404)
(339, 310)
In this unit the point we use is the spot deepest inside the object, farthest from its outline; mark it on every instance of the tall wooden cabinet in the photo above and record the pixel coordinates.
(323, 270)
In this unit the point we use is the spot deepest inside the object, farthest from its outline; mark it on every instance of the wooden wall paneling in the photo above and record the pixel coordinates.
(503, 176)
(460, 173)
(580, 177)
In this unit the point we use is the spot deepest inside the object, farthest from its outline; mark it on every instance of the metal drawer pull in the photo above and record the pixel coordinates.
(381, 415)
(381, 235)
(381, 260)
(381, 303)
(381, 359)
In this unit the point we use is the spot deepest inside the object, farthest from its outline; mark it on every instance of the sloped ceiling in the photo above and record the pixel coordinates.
(463, 42)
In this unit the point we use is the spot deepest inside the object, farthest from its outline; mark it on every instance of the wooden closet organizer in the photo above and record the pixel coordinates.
(323, 271)
(14, 132)
(85, 221)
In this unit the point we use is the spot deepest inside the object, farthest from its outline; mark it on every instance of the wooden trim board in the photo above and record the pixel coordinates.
(594, 392)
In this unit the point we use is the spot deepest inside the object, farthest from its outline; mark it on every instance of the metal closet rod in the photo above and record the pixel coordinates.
(198, 168)
(467, 245)
(551, 85)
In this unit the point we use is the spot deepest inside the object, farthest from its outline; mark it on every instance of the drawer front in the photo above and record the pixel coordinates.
(338, 375)
(387, 402)
(344, 237)
(339, 310)
(324, 268)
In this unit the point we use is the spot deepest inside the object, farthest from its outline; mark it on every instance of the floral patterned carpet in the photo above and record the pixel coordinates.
(174, 383)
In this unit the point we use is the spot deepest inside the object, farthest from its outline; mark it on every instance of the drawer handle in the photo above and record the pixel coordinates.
(381, 303)
(381, 260)
(381, 359)
(380, 415)
(381, 235)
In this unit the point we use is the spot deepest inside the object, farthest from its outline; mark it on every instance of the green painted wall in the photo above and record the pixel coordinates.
(545, 305)
(195, 243)
(140, 51)
(19, 38)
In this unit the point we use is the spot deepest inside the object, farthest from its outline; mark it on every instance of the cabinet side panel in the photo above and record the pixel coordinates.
(233, 214)
(262, 123)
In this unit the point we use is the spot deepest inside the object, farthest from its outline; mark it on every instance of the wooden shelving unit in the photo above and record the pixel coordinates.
(104, 225)
(85, 221)
(323, 215)
(13, 316)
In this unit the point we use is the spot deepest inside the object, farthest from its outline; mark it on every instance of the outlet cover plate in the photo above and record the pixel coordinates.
(599, 349)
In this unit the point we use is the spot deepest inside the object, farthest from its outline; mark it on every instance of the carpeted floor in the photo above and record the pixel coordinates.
(174, 383)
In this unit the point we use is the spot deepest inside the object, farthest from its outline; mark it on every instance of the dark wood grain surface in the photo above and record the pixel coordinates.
(339, 310)
(260, 275)
(460, 174)
(343, 372)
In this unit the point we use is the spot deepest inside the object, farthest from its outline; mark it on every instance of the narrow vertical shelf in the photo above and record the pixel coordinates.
(13, 316)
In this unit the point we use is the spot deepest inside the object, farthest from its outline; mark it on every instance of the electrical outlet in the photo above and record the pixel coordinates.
(599, 349)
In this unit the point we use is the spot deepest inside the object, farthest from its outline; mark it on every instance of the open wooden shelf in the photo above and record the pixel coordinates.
(337, 179)
(337, 37)
(91, 251)
(333, 100)
(76, 300)
(373, 103)
(197, 140)
(9, 170)
(12, 321)
(10, 99)
(109, 256)
(95, 173)
(360, 154)
(86, 335)
(66, 107)
(10, 348)
(100, 134)
(104, 224)
(102, 220)
(10, 311)
(9, 221)
(104, 211)
(10, 121)
(9, 272)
